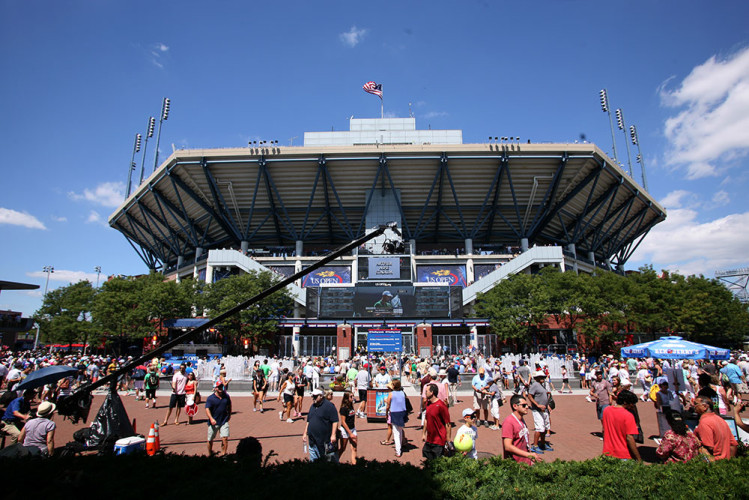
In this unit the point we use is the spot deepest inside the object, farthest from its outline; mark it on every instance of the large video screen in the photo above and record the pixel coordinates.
(385, 302)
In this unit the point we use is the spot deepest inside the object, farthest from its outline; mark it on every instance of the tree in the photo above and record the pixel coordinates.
(65, 315)
(514, 306)
(257, 322)
(167, 299)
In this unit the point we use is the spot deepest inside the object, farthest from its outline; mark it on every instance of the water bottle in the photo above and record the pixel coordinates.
(304, 448)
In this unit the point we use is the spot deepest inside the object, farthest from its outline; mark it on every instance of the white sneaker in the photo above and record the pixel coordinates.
(254, 409)
(280, 415)
(289, 421)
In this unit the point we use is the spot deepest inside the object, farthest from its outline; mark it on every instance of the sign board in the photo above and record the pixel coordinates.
(384, 341)
(384, 268)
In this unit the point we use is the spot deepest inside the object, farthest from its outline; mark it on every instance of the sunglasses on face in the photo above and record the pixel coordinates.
(524, 405)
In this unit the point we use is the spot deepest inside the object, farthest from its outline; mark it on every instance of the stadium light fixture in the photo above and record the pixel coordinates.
(149, 133)
(97, 269)
(636, 142)
(164, 116)
(131, 168)
(623, 128)
(604, 96)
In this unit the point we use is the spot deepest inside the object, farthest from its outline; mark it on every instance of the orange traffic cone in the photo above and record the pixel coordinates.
(150, 442)
(156, 442)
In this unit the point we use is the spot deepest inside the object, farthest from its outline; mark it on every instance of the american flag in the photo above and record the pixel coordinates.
(373, 88)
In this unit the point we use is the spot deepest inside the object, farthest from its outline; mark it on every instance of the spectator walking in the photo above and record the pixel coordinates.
(218, 411)
(515, 433)
(178, 399)
(436, 429)
(321, 429)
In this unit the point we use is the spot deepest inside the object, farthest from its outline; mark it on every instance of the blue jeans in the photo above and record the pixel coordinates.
(316, 454)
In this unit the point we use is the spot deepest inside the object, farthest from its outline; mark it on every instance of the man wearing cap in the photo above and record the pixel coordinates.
(385, 302)
(382, 379)
(481, 395)
(39, 433)
(321, 428)
(538, 397)
(218, 410)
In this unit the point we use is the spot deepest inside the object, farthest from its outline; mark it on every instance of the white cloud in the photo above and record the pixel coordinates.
(352, 37)
(108, 194)
(674, 199)
(720, 199)
(59, 219)
(436, 114)
(93, 216)
(682, 243)
(711, 127)
(64, 276)
(158, 52)
(14, 218)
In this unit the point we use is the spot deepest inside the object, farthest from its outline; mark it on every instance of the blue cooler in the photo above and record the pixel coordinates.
(133, 444)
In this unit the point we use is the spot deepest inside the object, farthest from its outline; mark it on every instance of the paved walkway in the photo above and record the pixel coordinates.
(573, 423)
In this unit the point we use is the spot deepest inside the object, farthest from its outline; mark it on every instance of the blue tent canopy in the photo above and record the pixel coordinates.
(675, 348)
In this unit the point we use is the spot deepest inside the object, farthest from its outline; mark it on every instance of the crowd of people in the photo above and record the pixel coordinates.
(683, 392)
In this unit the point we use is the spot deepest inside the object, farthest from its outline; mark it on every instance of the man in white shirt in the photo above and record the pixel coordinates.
(383, 378)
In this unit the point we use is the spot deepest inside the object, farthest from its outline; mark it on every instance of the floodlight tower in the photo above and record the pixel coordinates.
(736, 280)
(620, 124)
(636, 142)
(605, 107)
(136, 149)
(151, 125)
(49, 270)
(164, 117)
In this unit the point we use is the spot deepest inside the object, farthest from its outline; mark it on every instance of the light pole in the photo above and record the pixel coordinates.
(136, 149)
(98, 272)
(605, 107)
(49, 270)
(636, 142)
(164, 116)
(151, 124)
(620, 124)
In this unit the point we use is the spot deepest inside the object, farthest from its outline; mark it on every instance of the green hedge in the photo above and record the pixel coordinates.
(176, 476)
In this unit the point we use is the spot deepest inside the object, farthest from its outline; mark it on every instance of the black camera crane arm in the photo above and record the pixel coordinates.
(112, 377)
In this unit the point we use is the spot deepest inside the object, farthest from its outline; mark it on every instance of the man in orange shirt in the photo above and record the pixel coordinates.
(713, 431)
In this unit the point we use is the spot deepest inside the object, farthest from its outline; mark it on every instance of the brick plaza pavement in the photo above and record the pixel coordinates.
(573, 423)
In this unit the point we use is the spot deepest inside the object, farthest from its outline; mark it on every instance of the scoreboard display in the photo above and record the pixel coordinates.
(397, 301)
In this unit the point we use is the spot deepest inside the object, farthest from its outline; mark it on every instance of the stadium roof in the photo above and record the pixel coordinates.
(546, 194)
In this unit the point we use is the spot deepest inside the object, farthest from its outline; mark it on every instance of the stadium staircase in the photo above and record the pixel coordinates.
(535, 255)
(225, 258)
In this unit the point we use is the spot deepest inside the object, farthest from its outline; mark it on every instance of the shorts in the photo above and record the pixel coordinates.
(431, 450)
(138, 385)
(541, 420)
(566, 381)
(221, 430)
(177, 401)
(362, 394)
(300, 391)
(480, 401)
(344, 434)
(151, 393)
(288, 398)
(495, 408)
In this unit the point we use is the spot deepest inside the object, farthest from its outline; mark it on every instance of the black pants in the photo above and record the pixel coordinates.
(431, 450)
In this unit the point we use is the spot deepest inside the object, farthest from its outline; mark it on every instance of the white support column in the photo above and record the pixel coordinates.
(295, 340)
(299, 248)
(524, 244)
(209, 274)
(475, 337)
(571, 249)
(469, 246)
(198, 253)
(245, 245)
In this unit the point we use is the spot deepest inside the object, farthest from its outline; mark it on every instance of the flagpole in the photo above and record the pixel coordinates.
(382, 107)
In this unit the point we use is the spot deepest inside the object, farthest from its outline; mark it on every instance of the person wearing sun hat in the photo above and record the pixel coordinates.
(39, 433)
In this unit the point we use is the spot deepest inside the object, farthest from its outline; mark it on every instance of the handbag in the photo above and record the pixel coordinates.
(551, 403)
(640, 437)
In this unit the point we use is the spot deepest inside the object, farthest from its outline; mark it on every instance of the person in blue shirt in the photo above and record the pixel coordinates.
(734, 374)
(481, 397)
(16, 415)
(218, 410)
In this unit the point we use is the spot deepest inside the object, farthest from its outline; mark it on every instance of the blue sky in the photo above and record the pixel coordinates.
(80, 78)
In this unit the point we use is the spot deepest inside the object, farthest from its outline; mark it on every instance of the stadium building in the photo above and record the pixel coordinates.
(469, 216)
